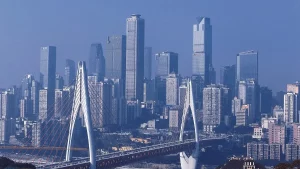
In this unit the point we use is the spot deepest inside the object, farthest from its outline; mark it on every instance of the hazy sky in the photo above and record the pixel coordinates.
(270, 26)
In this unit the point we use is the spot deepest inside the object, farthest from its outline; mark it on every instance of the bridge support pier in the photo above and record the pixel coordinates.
(185, 161)
(82, 102)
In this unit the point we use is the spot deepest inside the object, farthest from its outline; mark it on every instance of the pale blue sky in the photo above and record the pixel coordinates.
(270, 26)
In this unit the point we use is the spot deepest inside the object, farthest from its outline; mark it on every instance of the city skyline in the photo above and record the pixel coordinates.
(77, 47)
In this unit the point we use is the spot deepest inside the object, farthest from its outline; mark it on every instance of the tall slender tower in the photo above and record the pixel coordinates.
(96, 61)
(202, 49)
(70, 73)
(135, 37)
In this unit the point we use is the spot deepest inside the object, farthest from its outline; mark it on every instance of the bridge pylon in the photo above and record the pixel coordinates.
(185, 161)
(82, 102)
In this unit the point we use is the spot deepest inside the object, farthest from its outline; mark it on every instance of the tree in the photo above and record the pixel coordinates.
(283, 166)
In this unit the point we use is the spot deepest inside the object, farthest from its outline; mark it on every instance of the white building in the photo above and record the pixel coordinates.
(214, 102)
(290, 108)
(265, 121)
(258, 133)
(172, 86)
(236, 105)
(278, 113)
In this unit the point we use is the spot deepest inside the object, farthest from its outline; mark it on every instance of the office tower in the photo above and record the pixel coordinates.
(70, 72)
(172, 85)
(227, 78)
(149, 90)
(248, 93)
(26, 86)
(166, 63)
(198, 86)
(7, 105)
(133, 111)
(215, 100)
(36, 134)
(101, 102)
(26, 108)
(182, 94)
(265, 100)
(115, 57)
(48, 67)
(202, 49)
(247, 66)
(278, 113)
(44, 109)
(59, 82)
(290, 108)
(96, 61)
(135, 39)
(61, 103)
(147, 62)
(242, 116)
(236, 105)
(276, 134)
(175, 115)
(160, 90)
(35, 88)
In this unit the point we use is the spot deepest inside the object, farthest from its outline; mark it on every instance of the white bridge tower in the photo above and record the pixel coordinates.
(185, 161)
(82, 102)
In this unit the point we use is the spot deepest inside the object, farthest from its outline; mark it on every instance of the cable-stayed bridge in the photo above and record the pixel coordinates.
(81, 107)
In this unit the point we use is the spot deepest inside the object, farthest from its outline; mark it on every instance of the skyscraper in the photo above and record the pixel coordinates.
(48, 67)
(172, 87)
(96, 61)
(265, 100)
(227, 78)
(202, 49)
(166, 63)
(115, 57)
(290, 114)
(247, 66)
(70, 72)
(59, 82)
(135, 39)
(215, 100)
(148, 62)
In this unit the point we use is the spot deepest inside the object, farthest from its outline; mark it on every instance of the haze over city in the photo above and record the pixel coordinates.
(270, 27)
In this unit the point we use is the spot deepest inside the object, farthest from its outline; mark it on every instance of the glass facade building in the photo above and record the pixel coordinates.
(148, 62)
(135, 37)
(115, 57)
(48, 67)
(202, 49)
(96, 61)
(247, 66)
(70, 72)
(166, 63)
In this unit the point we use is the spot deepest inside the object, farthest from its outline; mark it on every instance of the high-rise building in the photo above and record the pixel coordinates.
(160, 90)
(182, 94)
(115, 57)
(70, 72)
(7, 105)
(48, 67)
(175, 115)
(172, 86)
(249, 94)
(202, 49)
(291, 152)
(133, 110)
(148, 63)
(135, 39)
(290, 108)
(149, 90)
(265, 100)
(278, 113)
(26, 86)
(296, 133)
(59, 82)
(6, 126)
(242, 116)
(276, 134)
(101, 102)
(60, 104)
(198, 86)
(293, 88)
(236, 105)
(215, 102)
(35, 98)
(26, 108)
(227, 78)
(96, 61)
(166, 63)
(247, 66)
(44, 107)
